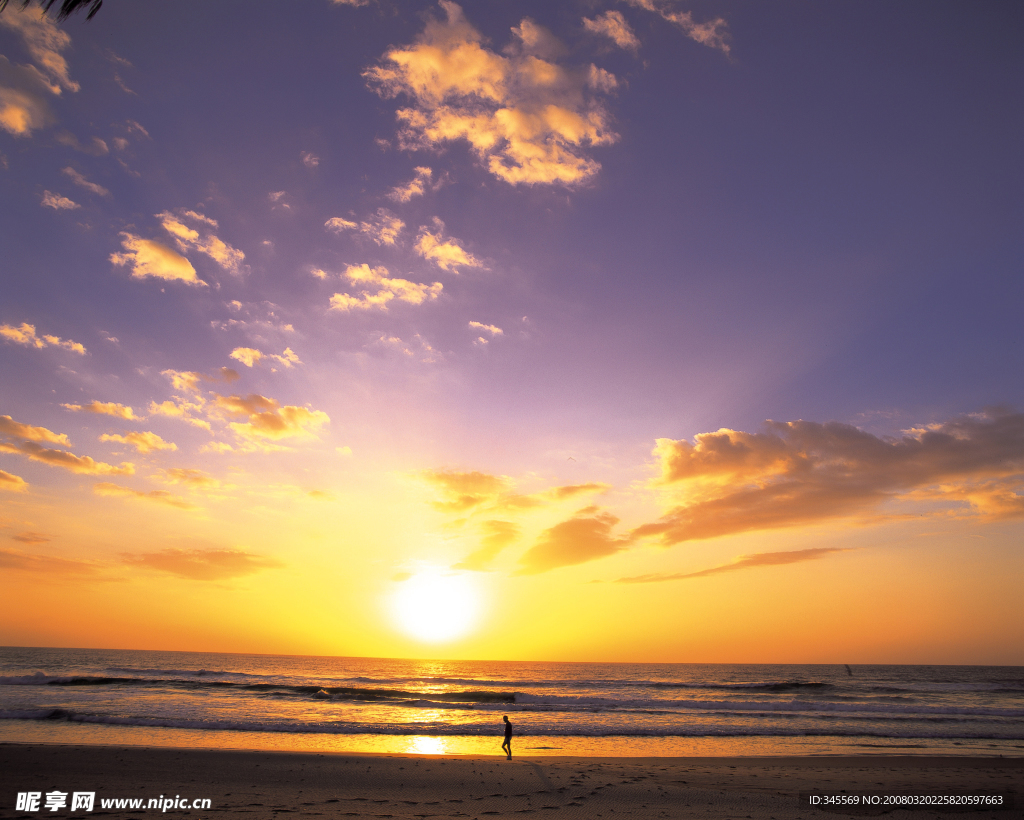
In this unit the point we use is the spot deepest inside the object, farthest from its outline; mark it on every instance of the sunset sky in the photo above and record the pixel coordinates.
(627, 331)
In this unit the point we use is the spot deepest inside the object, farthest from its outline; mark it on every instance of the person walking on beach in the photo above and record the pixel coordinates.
(507, 743)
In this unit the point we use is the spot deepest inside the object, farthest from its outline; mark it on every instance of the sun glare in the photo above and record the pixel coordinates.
(432, 606)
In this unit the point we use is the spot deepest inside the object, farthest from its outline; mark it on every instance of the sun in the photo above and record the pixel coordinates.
(435, 606)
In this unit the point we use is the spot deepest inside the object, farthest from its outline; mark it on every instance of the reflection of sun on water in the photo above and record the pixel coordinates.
(427, 746)
(433, 606)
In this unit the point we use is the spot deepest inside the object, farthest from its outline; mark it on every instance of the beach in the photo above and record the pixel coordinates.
(260, 784)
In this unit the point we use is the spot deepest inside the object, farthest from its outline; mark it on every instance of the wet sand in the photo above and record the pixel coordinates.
(271, 784)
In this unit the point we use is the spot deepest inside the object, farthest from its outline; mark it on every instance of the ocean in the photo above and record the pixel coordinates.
(218, 700)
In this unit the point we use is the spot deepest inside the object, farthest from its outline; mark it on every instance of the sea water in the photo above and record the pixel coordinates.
(191, 699)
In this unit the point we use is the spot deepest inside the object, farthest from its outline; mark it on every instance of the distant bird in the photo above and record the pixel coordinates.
(849, 671)
(570, 458)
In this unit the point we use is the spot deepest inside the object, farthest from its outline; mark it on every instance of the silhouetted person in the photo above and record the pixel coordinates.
(507, 743)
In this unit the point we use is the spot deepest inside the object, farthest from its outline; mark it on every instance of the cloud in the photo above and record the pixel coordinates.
(464, 491)
(45, 42)
(266, 419)
(585, 537)
(527, 118)
(497, 536)
(474, 492)
(337, 224)
(23, 98)
(383, 228)
(185, 380)
(144, 442)
(309, 159)
(353, 3)
(60, 458)
(43, 564)
(58, 202)
(26, 335)
(192, 478)
(202, 565)
(15, 429)
(387, 289)
(418, 347)
(445, 254)
(713, 33)
(761, 559)
(12, 482)
(95, 147)
(277, 198)
(147, 257)
(613, 25)
(494, 330)
(31, 538)
(250, 356)
(157, 496)
(254, 324)
(800, 472)
(104, 408)
(414, 187)
(573, 490)
(179, 410)
(202, 239)
(81, 181)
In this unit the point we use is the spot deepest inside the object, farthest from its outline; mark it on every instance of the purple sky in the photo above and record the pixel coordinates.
(467, 264)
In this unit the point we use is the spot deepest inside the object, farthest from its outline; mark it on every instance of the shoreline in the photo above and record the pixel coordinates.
(264, 784)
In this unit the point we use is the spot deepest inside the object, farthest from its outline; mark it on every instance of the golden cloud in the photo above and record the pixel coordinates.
(95, 147)
(801, 472)
(82, 182)
(144, 442)
(525, 117)
(572, 490)
(23, 105)
(446, 254)
(147, 257)
(45, 42)
(465, 491)
(104, 408)
(494, 330)
(388, 288)
(180, 410)
(268, 420)
(15, 429)
(584, 537)
(44, 564)
(613, 25)
(713, 33)
(383, 228)
(202, 565)
(250, 356)
(12, 482)
(414, 187)
(69, 461)
(58, 202)
(26, 335)
(193, 478)
(202, 239)
(497, 536)
(337, 224)
(761, 559)
(158, 496)
(31, 538)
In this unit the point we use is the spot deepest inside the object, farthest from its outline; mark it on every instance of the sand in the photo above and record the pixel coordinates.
(273, 784)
